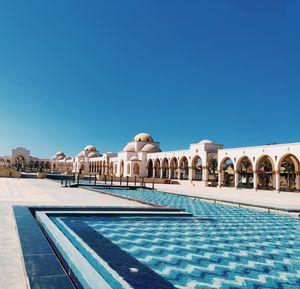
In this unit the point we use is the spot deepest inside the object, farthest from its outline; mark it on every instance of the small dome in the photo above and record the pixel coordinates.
(134, 158)
(90, 148)
(129, 148)
(60, 154)
(61, 158)
(149, 148)
(205, 141)
(93, 155)
(81, 154)
(144, 137)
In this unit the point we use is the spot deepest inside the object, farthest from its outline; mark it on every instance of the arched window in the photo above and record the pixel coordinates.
(165, 168)
(150, 169)
(128, 169)
(213, 170)
(265, 170)
(197, 169)
(184, 168)
(157, 168)
(174, 168)
(288, 167)
(227, 172)
(245, 169)
(121, 168)
(136, 169)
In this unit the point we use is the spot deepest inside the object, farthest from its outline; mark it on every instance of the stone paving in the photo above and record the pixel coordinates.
(35, 192)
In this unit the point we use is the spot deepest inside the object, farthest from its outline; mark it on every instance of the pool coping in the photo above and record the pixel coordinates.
(34, 257)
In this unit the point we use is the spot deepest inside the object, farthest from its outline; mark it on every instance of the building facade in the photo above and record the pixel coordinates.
(21, 160)
(269, 167)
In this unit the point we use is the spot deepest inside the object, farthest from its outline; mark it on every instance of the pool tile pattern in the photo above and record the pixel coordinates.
(234, 248)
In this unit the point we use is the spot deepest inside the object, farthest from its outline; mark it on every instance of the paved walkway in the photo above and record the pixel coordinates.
(35, 192)
(282, 200)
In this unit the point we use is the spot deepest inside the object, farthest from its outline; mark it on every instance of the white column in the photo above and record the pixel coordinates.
(297, 180)
(255, 179)
(236, 179)
(161, 172)
(205, 175)
(190, 173)
(277, 181)
(170, 171)
(220, 179)
(178, 176)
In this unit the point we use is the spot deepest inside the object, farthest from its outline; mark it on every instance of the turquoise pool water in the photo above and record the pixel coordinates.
(231, 248)
(236, 248)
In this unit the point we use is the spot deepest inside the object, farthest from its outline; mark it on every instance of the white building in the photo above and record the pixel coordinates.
(205, 163)
(21, 159)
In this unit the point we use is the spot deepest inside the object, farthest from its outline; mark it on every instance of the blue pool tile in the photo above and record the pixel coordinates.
(42, 265)
(50, 282)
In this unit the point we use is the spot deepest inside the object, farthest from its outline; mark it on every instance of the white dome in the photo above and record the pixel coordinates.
(205, 141)
(81, 154)
(90, 148)
(134, 158)
(58, 154)
(129, 148)
(93, 155)
(144, 137)
(149, 148)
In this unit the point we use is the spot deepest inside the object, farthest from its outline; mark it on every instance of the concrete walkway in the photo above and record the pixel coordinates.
(36, 192)
(282, 200)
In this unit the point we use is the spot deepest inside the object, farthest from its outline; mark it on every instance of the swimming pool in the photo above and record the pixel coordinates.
(236, 248)
(220, 246)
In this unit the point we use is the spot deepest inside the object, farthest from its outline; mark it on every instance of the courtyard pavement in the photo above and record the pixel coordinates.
(36, 192)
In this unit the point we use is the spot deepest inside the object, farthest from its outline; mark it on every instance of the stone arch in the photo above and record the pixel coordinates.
(265, 170)
(82, 169)
(150, 168)
(174, 168)
(184, 168)
(212, 166)
(245, 170)
(288, 168)
(121, 168)
(227, 172)
(197, 168)
(36, 165)
(136, 169)
(165, 168)
(157, 168)
(47, 166)
(104, 167)
(128, 169)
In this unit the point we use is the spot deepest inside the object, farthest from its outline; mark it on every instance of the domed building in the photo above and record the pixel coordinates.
(132, 160)
(203, 163)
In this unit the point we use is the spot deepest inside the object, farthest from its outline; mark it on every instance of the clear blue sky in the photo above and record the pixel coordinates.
(74, 73)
